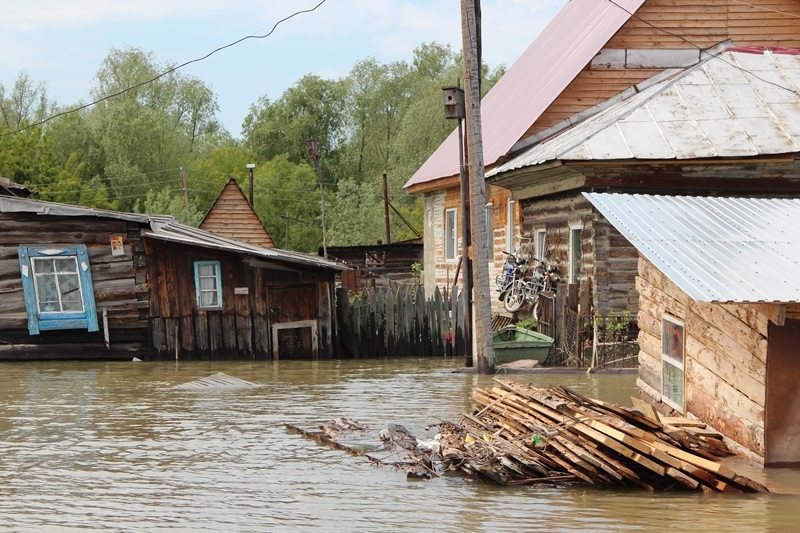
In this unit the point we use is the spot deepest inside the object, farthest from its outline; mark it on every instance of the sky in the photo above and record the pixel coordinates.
(63, 43)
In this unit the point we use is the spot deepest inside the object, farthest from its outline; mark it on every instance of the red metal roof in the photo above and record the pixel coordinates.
(535, 80)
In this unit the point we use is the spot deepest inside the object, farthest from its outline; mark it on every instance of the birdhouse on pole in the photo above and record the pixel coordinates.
(454, 102)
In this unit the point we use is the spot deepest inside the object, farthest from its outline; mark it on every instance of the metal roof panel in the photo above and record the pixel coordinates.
(714, 249)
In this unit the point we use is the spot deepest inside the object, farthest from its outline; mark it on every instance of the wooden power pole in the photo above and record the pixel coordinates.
(482, 307)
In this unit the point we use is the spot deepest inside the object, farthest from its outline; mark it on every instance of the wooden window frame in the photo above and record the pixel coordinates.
(451, 243)
(489, 212)
(574, 273)
(55, 320)
(217, 274)
(669, 360)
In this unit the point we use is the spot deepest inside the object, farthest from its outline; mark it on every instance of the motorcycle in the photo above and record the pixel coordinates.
(525, 290)
(514, 269)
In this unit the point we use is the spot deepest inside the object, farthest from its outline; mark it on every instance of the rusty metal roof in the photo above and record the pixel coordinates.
(714, 249)
(534, 81)
(743, 102)
(167, 228)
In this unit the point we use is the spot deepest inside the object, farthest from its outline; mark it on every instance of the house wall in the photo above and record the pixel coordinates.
(438, 271)
(243, 327)
(608, 260)
(725, 356)
(119, 283)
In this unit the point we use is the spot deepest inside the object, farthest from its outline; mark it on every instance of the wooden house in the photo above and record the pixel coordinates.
(378, 265)
(9, 188)
(89, 283)
(232, 215)
(594, 56)
(719, 312)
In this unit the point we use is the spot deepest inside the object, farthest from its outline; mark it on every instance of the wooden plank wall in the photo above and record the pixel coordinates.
(725, 356)
(242, 328)
(119, 282)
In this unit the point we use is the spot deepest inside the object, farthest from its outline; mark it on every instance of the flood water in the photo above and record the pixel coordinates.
(114, 447)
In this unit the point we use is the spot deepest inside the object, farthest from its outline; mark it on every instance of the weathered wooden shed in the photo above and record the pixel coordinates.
(232, 215)
(89, 283)
(719, 312)
(378, 265)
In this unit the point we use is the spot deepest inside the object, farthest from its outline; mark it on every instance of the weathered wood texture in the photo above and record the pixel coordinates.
(243, 327)
(232, 216)
(693, 23)
(607, 258)
(119, 283)
(401, 322)
(725, 355)
(379, 265)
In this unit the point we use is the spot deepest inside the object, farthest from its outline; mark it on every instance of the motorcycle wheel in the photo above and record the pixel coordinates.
(515, 297)
(535, 311)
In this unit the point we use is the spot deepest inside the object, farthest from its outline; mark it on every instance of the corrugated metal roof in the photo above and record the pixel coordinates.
(736, 104)
(534, 81)
(166, 228)
(714, 249)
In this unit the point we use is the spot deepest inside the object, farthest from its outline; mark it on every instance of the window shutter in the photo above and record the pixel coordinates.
(28, 290)
(87, 289)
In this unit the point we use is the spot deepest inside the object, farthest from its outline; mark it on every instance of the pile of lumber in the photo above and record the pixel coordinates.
(521, 434)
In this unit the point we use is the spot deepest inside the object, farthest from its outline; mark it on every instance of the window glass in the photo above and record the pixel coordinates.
(450, 238)
(207, 280)
(672, 360)
(541, 242)
(510, 229)
(490, 232)
(575, 255)
(58, 286)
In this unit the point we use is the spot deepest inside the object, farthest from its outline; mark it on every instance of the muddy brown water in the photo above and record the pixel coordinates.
(114, 447)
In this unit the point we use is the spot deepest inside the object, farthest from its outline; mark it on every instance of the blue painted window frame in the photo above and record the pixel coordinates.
(217, 274)
(44, 321)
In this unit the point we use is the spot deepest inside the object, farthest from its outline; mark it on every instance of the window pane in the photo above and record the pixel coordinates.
(672, 340)
(208, 299)
(208, 284)
(43, 265)
(66, 264)
(47, 293)
(672, 383)
(575, 255)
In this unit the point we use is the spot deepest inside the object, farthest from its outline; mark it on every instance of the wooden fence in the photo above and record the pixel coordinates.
(400, 322)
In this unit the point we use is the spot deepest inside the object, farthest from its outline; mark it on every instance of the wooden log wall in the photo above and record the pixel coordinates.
(725, 356)
(119, 282)
(381, 322)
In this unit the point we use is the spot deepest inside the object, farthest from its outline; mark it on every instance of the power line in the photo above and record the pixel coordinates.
(168, 71)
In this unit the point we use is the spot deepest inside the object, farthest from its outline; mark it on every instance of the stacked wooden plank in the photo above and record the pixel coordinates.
(521, 434)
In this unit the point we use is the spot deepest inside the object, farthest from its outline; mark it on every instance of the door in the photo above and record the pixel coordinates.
(293, 320)
(782, 409)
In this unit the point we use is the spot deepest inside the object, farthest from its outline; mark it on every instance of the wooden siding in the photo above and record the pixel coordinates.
(119, 282)
(725, 356)
(704, 23)
(242, 328)
(608, 260)
(232, 216)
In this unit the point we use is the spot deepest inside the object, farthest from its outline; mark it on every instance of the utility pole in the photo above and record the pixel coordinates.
(386, 209)
(185, 194)
(470, 34)
(250, 167)
(454, 109)
(313, 153)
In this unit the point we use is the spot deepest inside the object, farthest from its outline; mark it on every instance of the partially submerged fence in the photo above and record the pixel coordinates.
(600, 341)
(400, 322)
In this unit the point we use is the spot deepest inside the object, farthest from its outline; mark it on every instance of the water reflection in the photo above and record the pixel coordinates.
(115, 447)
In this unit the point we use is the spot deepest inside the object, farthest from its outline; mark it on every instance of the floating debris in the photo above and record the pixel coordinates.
(519, 434)
(217, 381)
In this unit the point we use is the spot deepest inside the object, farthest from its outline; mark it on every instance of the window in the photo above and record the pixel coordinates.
(672, 362)
(490, 233)
(208, 284)
(450, 235)
(575, 255)
(541, 243)
(510, 228)
(57, 285)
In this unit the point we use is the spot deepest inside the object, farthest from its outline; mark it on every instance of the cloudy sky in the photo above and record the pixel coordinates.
(62, 43)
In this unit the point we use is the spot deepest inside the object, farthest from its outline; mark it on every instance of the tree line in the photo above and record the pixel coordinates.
(131, 149)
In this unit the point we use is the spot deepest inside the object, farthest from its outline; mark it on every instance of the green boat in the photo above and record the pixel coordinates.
(513, 343)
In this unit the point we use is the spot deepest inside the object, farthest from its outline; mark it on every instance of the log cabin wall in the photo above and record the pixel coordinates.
(243, 327)
(608, 262)
(724, 360)
(119, 283)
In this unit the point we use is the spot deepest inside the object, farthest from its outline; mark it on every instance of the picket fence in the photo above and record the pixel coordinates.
(400, 321)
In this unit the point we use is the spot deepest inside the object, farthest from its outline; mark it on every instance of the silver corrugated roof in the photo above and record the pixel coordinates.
(735, 104)
(714, 249)
(166, 228)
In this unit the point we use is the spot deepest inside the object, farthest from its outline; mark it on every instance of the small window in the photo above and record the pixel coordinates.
(490, 233)
(450, 235)
(541, 243)
(672, 347)
(575, 255)
(208, 283)
(57, 284)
